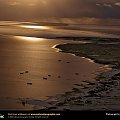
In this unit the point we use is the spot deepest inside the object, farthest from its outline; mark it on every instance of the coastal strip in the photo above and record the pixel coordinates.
(101, 94)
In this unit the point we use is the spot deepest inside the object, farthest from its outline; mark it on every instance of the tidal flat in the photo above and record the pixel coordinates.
(101, 94)
(35, 75)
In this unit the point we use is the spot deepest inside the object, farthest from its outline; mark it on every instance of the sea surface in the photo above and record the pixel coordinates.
(30, 66)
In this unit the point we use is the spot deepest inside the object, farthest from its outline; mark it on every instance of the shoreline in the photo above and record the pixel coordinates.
(100, 94)
(102, 86)
(89, 96)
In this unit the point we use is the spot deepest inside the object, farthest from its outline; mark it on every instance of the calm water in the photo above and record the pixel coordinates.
(36, 55)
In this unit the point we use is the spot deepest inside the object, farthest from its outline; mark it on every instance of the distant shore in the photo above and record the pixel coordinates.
(101, 50)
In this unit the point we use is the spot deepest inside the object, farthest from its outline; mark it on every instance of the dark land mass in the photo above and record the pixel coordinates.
(104, 51)
(90, 39)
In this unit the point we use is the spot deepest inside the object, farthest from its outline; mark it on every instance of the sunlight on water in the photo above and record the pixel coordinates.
(29, 38)
(34, 27)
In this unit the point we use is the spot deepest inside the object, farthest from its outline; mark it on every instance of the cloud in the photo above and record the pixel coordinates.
(107, 5)
(117, 4)
(104, 5)
(28, 9)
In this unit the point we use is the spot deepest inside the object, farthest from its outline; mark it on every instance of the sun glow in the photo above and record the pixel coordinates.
(34, 27)
(34, 39)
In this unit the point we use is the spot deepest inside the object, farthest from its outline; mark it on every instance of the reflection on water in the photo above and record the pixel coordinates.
(52, 31)
(34, 39)
(34, 27)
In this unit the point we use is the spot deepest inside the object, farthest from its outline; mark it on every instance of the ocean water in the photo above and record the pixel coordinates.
(28, 56)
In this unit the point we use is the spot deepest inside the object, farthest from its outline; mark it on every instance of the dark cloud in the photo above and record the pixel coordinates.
(27, 9)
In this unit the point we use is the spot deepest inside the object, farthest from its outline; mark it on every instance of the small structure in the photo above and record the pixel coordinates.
(76, 73)
(59, 76)
(29, 83)
(49, 75)
(21, 73)
(26, 71)
(23, 103)
(44, 78)
(59, 60)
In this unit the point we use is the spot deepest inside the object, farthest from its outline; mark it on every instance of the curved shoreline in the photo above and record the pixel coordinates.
(87, 58)
(104, 83)
(100, 94)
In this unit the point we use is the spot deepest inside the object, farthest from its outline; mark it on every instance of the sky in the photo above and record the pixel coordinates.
(27, 9)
